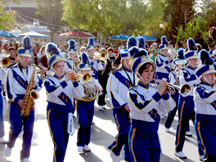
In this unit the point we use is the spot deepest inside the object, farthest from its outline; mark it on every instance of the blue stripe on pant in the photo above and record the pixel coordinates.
(172, 113)
(185, 113)
(16, 122)
(57, 122)
(144, 145)
(1, 116)
(122, 120)
(85, 112)
(205, 127)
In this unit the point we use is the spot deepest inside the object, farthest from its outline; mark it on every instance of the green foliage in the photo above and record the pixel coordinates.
(111, 17)
(6, 18)
(174, 14)
(209, 14)
(50, 11)
(196, 29)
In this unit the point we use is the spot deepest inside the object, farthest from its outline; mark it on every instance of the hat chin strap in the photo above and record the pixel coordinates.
(126, 64)
(141, 78)
(206, 80)
(192, 64)
(55, 71)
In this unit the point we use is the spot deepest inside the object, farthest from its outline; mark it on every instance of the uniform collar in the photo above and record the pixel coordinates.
(126, 69)
(143, 85)
(191, 68)
(58, 77)
(204, 83)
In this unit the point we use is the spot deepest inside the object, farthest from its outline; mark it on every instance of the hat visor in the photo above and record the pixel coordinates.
(86, 68)
(192, 57)
(57, 60)
(208, 72)
(25, 55)
(144, 62)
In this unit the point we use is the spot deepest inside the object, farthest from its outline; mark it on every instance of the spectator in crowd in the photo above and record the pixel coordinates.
(211, 49)
(156, 51)
(178, 45)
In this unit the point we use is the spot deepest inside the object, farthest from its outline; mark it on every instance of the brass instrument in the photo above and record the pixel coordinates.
(90, 92)
(102, 56)
(30, 96)
(184, 90)
(172, 52)
(86, 77)
(6, 62)
(150, 52)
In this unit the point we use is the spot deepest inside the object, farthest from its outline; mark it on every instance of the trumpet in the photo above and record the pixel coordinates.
(86, 77)
(184, 90)
(102, 56)
(6, 62)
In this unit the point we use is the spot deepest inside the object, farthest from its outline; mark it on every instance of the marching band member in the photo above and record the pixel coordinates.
(186, 111)
(85, 108)
(2, 74)
(60, 92)
(205, 107)
(145, 103)
(17, 79)
(174, 79)
(117, 87)
(164, 62)
(96, 65)
(72, 52)
(104, 75)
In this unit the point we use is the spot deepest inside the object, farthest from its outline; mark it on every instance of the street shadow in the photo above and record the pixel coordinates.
(176, 159)
(90, 156)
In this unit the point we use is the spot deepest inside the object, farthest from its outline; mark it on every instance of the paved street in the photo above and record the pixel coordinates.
(103, 133)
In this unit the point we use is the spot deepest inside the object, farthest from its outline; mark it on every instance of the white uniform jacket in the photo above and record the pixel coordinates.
(61, 92)
(205, 99)
(146, 103)
(187, 76)
(117, 86)
(17, 79)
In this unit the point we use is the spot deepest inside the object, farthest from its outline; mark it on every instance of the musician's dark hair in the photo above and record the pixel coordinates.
(145, 66)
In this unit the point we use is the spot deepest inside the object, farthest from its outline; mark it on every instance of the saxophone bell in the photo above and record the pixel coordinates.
(34, 94)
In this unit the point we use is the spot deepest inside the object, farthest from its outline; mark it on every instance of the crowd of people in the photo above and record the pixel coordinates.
(142, 83)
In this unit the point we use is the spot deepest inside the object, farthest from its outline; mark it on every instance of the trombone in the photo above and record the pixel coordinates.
(184, 90)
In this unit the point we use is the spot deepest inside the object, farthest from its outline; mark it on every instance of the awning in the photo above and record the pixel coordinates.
(75, 34)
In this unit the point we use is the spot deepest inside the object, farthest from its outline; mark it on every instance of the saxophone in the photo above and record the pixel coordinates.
(30, 95)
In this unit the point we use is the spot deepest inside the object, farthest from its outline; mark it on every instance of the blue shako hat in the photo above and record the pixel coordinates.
(72, 46)
(141, 42)
(53, 54)
(206, 66)
(192, 49)
(25, 50)
(124, 53)
(180, 59)
(139, 58)
(131, 42)
(85, 62)
(164, 43)
(91, 44)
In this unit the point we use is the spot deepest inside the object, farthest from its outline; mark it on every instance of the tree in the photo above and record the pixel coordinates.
(111, 17)
(50, 11)
(196, 29)
(209, 13)
(176, 13)
(6, 18)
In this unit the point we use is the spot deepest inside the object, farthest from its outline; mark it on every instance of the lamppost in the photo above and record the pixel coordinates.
(161, 28)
